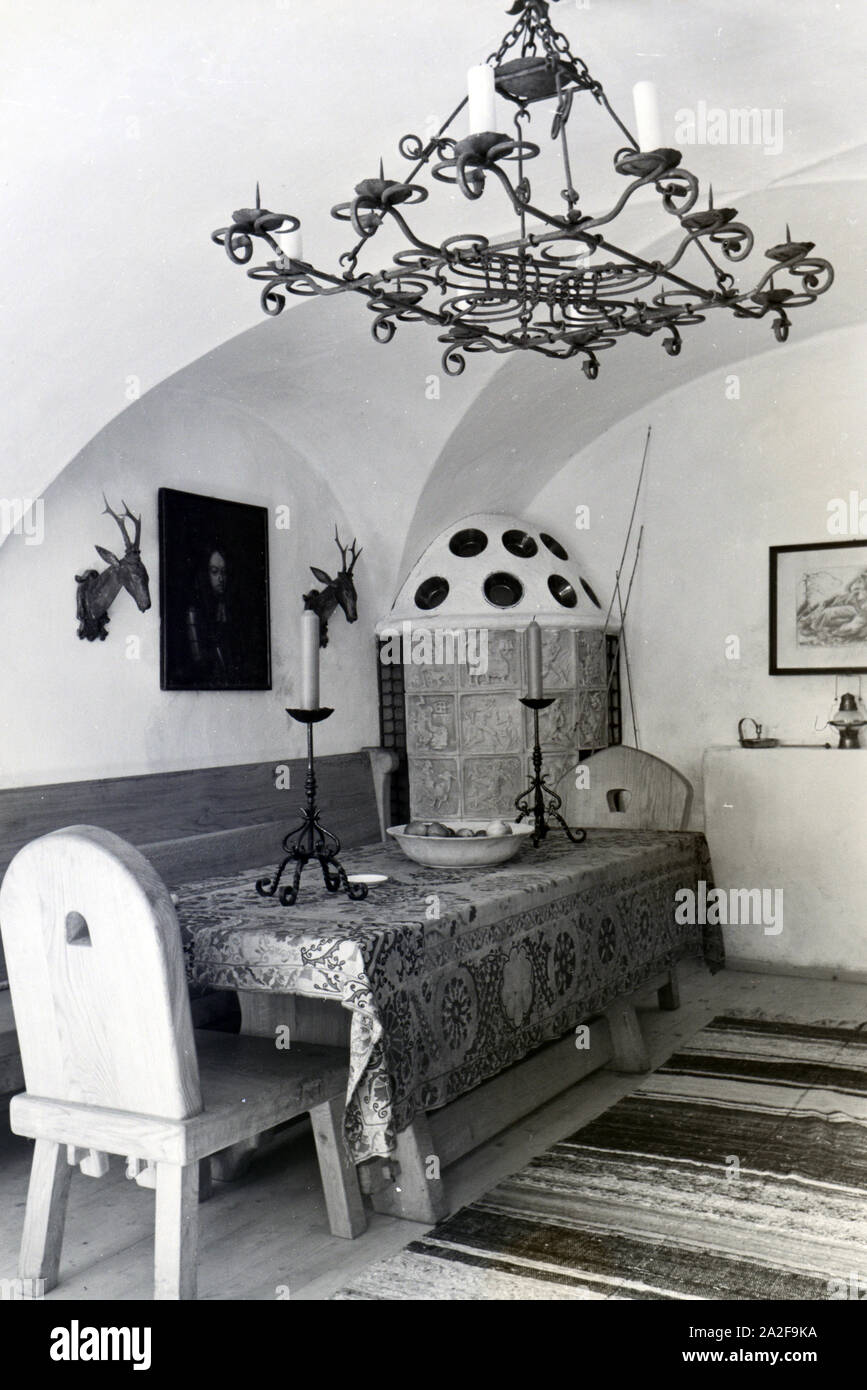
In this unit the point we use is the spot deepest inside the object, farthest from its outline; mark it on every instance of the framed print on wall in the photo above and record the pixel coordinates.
(215, 627)
(818, 614)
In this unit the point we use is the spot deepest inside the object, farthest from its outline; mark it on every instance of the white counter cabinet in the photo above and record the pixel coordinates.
(793, 819)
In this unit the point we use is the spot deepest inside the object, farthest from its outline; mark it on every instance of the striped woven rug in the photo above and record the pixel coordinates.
(738, 1170)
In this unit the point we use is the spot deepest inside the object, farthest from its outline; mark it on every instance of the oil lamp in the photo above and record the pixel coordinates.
(849, 718)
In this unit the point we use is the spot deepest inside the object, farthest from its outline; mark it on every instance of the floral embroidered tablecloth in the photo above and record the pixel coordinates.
(453, 975)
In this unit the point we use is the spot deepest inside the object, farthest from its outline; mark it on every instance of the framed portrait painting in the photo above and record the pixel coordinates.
(818, 618)
(215, 628)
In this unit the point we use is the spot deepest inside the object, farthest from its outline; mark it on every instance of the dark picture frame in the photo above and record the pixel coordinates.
(215, 620)
(818, 608)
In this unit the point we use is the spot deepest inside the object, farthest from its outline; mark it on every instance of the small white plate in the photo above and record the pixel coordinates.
(367, 878)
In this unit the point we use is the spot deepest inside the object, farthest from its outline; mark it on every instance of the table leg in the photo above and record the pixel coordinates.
(262, 1014)
(324, 1021)
(413, 1194)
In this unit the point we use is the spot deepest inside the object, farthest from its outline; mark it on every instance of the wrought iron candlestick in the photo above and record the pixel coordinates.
(532, 802)
(310, 839)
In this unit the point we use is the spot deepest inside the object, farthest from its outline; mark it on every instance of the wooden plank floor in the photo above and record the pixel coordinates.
(266, 1236)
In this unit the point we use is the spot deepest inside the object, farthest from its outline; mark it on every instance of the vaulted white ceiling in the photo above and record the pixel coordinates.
(129, 132)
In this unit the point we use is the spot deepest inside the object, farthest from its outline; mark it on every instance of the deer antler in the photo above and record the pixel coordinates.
(136, 520)
(340, 547)
(354, 554)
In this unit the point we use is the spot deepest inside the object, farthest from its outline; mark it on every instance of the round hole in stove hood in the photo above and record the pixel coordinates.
(590, 594)
(467, 543)
(520, 543)
(554, 546)
(431, 593)
(503, 590)
(562, 591)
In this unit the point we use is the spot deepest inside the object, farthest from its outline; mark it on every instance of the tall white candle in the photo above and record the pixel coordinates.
(533, 648)
(309, 659)
(648, 128)
(482, 99)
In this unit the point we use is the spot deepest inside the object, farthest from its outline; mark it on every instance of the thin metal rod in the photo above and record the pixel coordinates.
(614, 116)
(631, 520)
(629, 689)
(634, 568)
(624, 607)
(620, 639)
(431, 144)
(657, 272)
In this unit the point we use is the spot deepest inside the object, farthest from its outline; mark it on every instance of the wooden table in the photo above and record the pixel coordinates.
(446, 979)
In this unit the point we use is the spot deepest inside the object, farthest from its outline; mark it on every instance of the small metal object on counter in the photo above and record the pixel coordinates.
(757, 741)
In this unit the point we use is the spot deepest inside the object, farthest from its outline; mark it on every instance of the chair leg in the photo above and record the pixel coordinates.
(629, 1053)
(346, 1214)
(228, 1165)
(176, 1235)
(45, 1214)
(206, 1185)
(669, 994)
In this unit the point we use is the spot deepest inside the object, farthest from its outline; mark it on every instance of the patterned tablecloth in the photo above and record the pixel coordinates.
(452, 976)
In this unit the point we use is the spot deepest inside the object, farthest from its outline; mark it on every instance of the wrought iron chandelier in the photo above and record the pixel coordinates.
(559, 287)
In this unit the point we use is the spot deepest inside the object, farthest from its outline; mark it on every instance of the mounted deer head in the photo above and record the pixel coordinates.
(97, 591)
(339, 590)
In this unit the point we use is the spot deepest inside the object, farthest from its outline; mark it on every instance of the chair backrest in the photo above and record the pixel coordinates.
(627, 790)
(97, 979)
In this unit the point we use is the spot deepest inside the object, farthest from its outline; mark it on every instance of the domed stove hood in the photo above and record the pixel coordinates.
(495, 571)
(469, 740)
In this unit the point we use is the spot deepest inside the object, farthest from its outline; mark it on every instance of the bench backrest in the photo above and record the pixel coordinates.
(95, 967)
(203, 821)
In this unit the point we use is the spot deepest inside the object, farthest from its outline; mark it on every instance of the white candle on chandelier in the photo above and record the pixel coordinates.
(533, 648)
(309, 659)
(648, 129)
(291, 243)
(481, 97)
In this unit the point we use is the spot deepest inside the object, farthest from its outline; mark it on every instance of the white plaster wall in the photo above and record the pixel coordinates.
(73, 709)
(726, 479)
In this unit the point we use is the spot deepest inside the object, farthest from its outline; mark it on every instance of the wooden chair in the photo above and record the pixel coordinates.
(627, 790)
(110, 1057)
